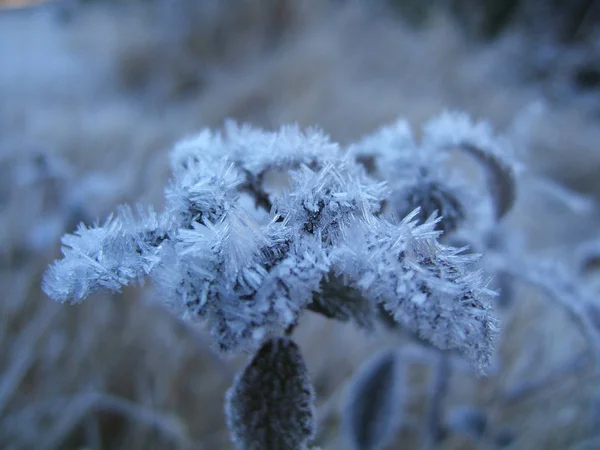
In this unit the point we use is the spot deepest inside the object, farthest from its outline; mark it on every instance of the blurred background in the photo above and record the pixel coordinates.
(93, 93)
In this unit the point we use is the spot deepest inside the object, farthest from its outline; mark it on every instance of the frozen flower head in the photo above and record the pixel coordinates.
(248, 255)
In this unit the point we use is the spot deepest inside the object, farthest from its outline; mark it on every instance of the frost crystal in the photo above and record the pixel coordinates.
(249, 254)
(106, 257)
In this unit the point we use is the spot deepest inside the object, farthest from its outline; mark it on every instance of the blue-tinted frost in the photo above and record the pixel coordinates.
(251, 268)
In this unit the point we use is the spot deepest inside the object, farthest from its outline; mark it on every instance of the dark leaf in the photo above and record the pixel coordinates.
(336, 300)
(372, 411)
(270, 406)
(500, 177)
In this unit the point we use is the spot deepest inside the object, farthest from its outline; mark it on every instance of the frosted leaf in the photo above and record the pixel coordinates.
(324, 200)
(255, 151)
(284, 292)
(425, 286)
(336, 300)
(123, 250)
(204, 146)
(270, 406)
(419, 174)
(205, 190)
(373, 408)
(376, 150)
(431, 197)
(456, 130)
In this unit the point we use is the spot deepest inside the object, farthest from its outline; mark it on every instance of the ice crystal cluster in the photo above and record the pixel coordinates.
(259, 226)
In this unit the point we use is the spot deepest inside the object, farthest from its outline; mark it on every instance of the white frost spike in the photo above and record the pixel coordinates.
(204, 146)
(375, 150)
(205, 190)
(106, 257)
(256, 151)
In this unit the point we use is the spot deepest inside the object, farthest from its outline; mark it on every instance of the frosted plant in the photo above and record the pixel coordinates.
(250, 273)
(260, 226)
(420, 175)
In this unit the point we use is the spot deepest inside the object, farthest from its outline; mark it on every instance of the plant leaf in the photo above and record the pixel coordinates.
(372, 411)
(270, 406)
